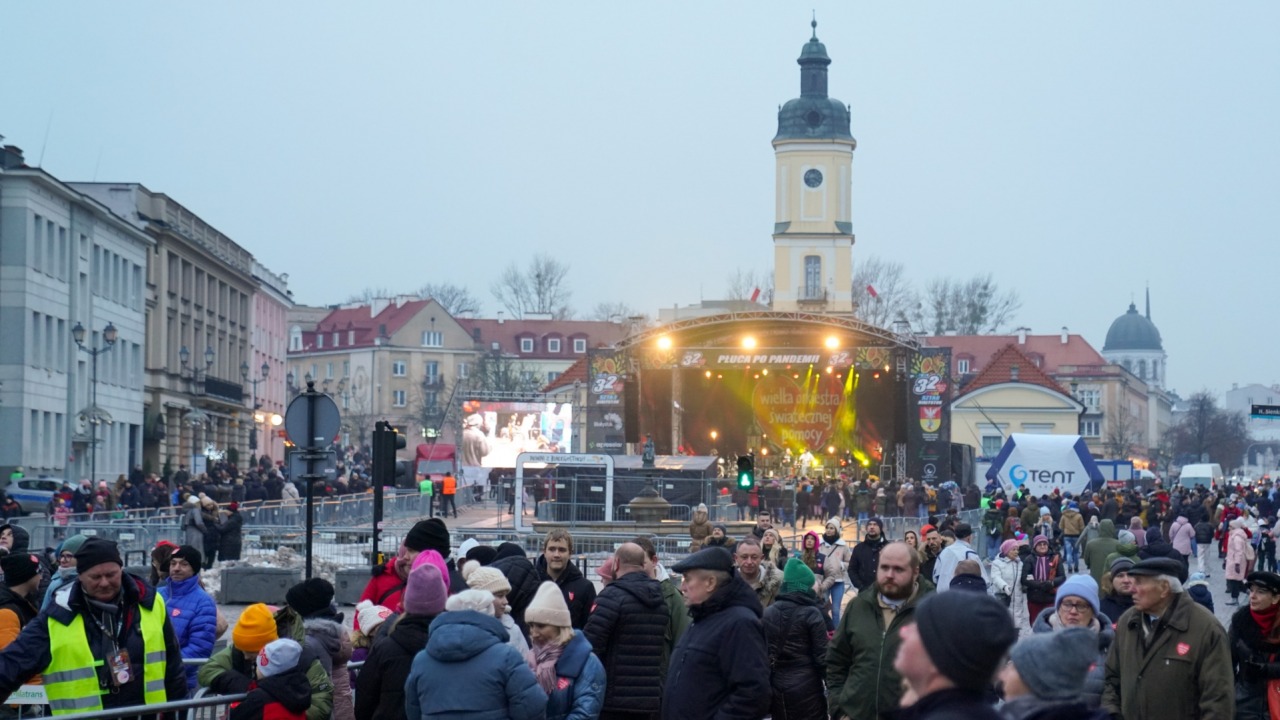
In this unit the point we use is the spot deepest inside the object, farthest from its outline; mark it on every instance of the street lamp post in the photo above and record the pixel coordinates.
(244, 373)
(109, 340)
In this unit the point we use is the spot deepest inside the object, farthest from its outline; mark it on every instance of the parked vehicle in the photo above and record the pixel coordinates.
(1198, 474)
(33, 494)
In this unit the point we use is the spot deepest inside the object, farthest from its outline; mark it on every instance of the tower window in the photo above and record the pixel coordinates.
(812, 278)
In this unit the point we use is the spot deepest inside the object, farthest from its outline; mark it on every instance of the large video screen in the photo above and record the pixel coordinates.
(494, 433)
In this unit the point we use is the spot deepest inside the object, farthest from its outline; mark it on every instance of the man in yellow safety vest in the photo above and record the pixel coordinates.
(104, 641)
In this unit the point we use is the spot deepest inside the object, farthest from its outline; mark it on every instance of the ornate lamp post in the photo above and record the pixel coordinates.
(192, 375)
(109, 341)
(257, 416)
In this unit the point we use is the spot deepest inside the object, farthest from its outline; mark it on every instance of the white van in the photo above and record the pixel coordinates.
(1206, 474)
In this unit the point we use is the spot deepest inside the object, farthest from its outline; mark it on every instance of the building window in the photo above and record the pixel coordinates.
(579, 345)
(812, 277)
(432, 338)
(398, 398)
(464, 370)
(991, 445)
(328, 370)
(1142, 369)
(1091, 428)
(552, 375)
(399, 369)
(1090, 397)
(962, 366)
(553, 345)
(319, 340)
(433, 372)
(526, 345)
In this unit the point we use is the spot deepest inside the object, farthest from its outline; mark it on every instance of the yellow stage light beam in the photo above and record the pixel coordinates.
(664, 343)
(832, 342)
(749, 342)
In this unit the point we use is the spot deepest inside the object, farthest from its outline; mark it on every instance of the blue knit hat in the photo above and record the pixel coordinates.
(1082, 586)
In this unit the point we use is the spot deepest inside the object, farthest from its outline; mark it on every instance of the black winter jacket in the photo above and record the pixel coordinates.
(950, 704)
(796, 631)
(720, 668)
(1251, 655)
(380, 684)
(291, 689)
(579, 592)
(628, 631)
(863, 562)
(230, 540)
(524, 581)
(1042, 591)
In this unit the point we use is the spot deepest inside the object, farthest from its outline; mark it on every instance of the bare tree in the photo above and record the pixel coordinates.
(539, 288)
(612, 311)
(1123, 434)
(367, 295)
(455, 299)
(358, 417)
(494, 372)
(1208, 430)
(975, 306)
(882, 293)
(742, 283)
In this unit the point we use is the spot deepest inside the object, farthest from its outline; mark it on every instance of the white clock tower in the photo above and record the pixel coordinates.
(812, 235)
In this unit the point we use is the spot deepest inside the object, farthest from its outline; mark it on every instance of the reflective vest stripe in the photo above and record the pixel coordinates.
(71, 678)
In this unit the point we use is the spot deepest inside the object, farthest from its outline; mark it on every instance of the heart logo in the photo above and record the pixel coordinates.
(796, 414)
(1183, 648)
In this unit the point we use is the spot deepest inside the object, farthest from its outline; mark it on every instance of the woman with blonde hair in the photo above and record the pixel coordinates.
(774, 551)
(566, 669)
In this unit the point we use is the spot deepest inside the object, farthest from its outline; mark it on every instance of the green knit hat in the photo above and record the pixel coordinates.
(797, 576)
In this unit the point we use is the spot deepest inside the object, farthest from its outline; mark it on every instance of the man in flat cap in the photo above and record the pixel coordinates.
(1171, 657)
(720, 667)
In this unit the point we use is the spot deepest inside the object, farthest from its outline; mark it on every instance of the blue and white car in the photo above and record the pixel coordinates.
(33, 494)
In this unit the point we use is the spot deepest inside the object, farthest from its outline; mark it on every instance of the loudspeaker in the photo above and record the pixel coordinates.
(631, 410)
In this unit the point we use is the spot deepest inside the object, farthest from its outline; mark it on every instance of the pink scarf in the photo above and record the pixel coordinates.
(544, 664)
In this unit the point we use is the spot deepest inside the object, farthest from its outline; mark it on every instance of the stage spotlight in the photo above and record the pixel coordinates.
(664, 343)
(749, 342)
(714, 434)
(831, 449)
(875, 375)
(830, 369)
(886, 368)
(764, 371)
(708, 374)
(756, 376)
(833, 342)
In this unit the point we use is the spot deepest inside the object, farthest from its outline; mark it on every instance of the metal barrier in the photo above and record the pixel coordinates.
(201, 707)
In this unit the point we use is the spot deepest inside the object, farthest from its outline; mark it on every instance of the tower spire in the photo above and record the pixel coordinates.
(814, 24)
(1148, 302)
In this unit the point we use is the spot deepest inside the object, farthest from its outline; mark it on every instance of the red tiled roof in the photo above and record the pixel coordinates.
(576, 372)
(367, 327)
(507, 333)
(999, 369)
(1076, 351)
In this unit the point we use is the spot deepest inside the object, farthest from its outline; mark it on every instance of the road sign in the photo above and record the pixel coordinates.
(1268, 412)
(326, 464)
(328, 421)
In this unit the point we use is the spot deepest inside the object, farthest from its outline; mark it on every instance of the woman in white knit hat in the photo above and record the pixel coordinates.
(563, 663)
(491, 579)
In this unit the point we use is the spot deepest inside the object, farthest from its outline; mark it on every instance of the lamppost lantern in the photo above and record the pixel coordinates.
(208, 356)
(77, 333)
(184, 355)
(109, 334)
(266, 369)
(244, 370)
(109, 337)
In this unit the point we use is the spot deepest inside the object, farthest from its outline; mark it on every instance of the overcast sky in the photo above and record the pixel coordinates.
(1077, 151)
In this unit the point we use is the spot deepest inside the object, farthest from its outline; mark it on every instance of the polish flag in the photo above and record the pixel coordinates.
(755, 294)
(872, 292)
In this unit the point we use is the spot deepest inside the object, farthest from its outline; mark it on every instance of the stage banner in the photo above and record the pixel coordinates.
(605, 401)
(929, 415)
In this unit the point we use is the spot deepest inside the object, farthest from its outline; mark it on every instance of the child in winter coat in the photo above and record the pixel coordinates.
(1006, 581)
(282, 691)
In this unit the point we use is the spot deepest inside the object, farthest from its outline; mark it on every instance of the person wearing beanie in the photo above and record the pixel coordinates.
(380, 684)
(1170, 657)
(281, 690)
(102, 596)
(17, 607)
(1045, 677)
(796, 631)
(1042, 573)
(231, 534)
(483, 554)
(833, 558)
(1006, 581)
(192, 611)
(311, 618)
(523, 578)
(1115, 592)
(386, 586)
(65, 554)
(492, 580)
(1239, 557)
(720, 667)
(468, 669)
(433, 557)
(1072, 526)
(699, 528)
(1077, 606)
(951, 653)
(563, 663)
(865, 557)
(627, 629)
(719, 538)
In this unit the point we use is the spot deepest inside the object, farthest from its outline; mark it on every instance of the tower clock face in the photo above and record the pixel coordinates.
(813, 178)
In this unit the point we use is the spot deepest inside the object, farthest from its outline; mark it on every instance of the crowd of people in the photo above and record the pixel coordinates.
(1053, 607)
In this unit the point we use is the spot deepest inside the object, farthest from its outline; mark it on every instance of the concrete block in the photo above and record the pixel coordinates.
(246, 584)
(349, 583)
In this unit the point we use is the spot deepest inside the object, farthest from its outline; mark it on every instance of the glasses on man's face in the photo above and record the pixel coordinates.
(1075, 607)
(66, 557)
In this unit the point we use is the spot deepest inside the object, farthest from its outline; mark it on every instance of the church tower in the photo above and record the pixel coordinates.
(812, 233)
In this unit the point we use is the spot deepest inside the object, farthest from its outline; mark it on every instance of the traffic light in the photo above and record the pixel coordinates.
(386, 441)
(746, 472)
